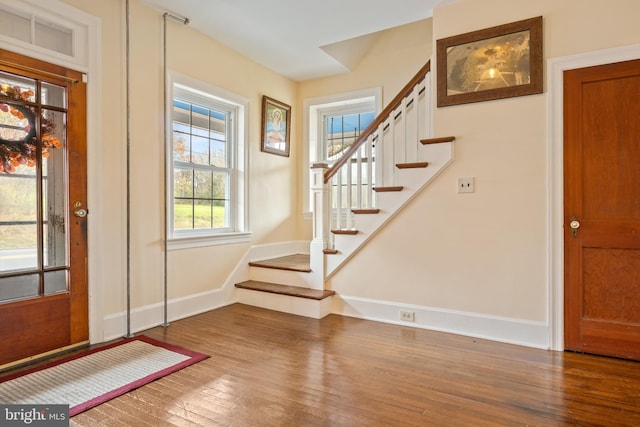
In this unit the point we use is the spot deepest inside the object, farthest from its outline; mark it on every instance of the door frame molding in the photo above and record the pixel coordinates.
(91, 65)
(555, 175)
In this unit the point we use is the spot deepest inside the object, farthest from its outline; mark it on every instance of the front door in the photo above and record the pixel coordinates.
(602, 209)
(43, 225)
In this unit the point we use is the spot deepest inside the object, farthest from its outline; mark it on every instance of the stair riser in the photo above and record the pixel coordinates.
(282, 277)
(286, 304)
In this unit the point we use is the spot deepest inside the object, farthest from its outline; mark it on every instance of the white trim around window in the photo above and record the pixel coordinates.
(313, 109)
(238, 227)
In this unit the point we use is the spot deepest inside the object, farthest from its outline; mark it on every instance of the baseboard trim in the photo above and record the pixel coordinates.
(501, 329)
(150, 316)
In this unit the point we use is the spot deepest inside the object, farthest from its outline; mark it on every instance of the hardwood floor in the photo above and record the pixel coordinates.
(274, 369)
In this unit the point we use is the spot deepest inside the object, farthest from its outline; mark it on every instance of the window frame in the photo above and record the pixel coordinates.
(314, 110)
(206, 95)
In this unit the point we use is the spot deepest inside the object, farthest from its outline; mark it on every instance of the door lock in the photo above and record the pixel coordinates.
(79, 211)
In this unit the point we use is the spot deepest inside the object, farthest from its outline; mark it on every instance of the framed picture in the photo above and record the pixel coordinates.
(276, 125)
(494, 63)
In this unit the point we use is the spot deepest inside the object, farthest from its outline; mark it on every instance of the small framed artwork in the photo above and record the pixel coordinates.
(493, 63)
(276, 126)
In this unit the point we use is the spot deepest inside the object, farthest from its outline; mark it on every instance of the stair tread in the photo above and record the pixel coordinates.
(388, 189)
(365, 211)
(292, 291)
(412, 165)
(345, 231)
(296, 262)
(438, 140)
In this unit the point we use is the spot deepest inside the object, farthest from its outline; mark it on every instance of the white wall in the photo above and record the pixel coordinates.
(484, 256)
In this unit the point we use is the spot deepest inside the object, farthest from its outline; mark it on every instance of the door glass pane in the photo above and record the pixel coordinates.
(55, 281)
(54, 200)
(54, 95)
(18, 220)
(17, 88)
(17, 287)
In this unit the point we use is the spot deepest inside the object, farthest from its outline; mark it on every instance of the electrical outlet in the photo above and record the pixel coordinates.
(408, 316)
(465, 185)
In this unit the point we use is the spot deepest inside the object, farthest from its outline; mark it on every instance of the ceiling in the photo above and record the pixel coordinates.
(299, 39)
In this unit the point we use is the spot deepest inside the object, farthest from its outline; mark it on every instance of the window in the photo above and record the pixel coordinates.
(342, 129)
(332, 124)
(206, 155)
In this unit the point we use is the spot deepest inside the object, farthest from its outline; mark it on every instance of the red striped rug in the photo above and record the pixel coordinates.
(90, 378)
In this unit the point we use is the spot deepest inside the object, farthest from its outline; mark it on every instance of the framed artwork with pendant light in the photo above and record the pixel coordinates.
(492, 63)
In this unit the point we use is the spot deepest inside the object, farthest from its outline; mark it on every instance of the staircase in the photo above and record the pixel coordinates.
(383, 170)
(282, 284)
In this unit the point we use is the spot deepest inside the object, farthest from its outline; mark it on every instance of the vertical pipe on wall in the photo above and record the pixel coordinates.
(128, 124)
(165, 321)
(165, 148)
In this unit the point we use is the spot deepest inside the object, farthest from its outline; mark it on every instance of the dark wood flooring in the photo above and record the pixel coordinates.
(274, 369)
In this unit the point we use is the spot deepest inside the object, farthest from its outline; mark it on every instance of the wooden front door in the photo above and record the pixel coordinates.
(43, 225)
(602, 209)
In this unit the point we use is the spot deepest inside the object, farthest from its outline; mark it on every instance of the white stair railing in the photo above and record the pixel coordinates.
(350, 183)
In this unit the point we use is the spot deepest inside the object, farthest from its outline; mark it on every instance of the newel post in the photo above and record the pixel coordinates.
(320, 205)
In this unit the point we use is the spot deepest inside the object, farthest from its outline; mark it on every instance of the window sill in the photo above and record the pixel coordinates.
(209, 240)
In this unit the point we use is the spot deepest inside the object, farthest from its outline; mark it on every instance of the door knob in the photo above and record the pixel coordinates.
(574, 225)
(79, 211)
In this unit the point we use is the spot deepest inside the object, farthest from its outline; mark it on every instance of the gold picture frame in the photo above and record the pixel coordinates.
(493, 63)
(276, 126)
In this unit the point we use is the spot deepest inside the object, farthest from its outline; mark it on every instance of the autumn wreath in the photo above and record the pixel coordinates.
(18, 136)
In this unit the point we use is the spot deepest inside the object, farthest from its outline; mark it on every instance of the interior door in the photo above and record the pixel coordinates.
(602, 209)
(43, 224)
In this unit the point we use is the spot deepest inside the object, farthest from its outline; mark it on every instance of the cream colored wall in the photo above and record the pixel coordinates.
(487, 252)
(394, 58)
(484, 252)
(272, 179)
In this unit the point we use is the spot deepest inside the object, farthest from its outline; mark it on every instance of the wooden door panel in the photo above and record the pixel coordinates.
(43, 322)
(602, 172)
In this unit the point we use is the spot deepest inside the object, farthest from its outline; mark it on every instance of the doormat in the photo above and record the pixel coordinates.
(92, 377)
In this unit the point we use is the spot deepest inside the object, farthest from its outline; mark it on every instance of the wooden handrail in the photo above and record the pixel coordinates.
(406, 91)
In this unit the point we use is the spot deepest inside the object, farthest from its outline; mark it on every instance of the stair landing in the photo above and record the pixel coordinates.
(296, 262)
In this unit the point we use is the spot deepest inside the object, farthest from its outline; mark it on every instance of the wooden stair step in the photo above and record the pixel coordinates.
(296, 262)
(292, 291)
(365, 211)
(349, 232)
(412, 165)
(330, 251)
(387, 189)
(438, 140)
